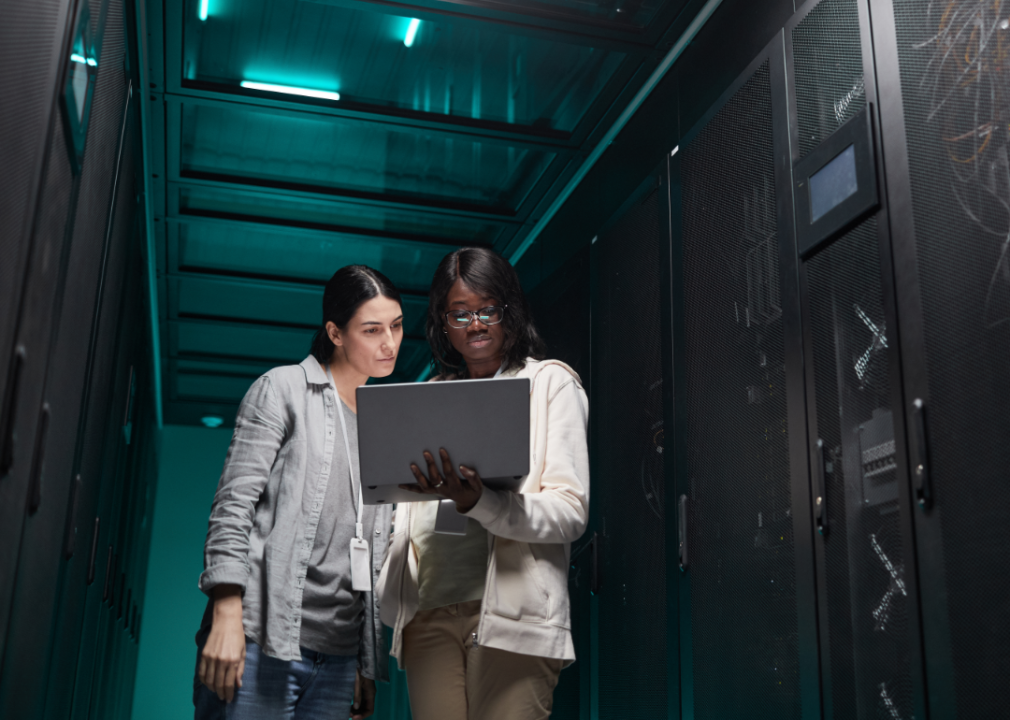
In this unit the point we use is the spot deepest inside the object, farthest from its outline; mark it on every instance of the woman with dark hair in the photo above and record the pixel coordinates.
(291, 628)
(481, 621)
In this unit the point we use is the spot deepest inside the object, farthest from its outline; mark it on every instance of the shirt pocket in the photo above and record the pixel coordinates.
(516, 589)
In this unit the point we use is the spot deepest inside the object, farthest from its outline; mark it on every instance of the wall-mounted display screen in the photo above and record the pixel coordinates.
(833, 183)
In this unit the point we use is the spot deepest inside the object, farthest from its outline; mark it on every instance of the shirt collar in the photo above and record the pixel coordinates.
(314, 373)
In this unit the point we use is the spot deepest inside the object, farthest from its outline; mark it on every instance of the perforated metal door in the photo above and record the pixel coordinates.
(560, 306)
(628, 479)
(954, 78)
(743, 647)
(865, 603)
(864, 565)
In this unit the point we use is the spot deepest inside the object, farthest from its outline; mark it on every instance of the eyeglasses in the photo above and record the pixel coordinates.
(462, 318)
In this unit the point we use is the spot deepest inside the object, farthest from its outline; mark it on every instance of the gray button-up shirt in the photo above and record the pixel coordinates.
(261, 535)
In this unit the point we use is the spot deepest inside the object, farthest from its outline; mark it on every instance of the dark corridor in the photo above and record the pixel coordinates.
(772, 238)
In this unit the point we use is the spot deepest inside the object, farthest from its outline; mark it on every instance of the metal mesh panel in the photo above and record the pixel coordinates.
(28, 31)
(954, 77)
(828, 68)
(566, 294)
(868, 621)
(742, 571)
(628, 442)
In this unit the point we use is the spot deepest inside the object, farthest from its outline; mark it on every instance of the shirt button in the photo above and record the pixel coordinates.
(378, 532)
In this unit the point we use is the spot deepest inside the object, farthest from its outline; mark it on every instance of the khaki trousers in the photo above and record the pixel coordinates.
(450, 679)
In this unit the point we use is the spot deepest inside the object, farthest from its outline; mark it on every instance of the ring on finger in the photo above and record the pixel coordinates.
(439, 484)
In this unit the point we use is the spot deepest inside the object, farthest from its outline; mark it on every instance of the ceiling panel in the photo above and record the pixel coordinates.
(460, 137)
(212, 386)
(357, 156)
(233, 249)
(297, 306)
(294, 211)
(480, 72)
(239, 341)
(615, 13)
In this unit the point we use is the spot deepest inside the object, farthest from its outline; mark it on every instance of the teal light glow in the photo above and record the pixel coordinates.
(408, 39)
(212, 421)
(665, 64)
(268, 87)
(77, 58)
(204, 8)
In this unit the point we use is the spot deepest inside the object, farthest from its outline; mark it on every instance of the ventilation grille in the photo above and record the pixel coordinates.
(828, 69)
(867, 597)
(628, 431)
(954, 75)
(28, 32)
(742, 571)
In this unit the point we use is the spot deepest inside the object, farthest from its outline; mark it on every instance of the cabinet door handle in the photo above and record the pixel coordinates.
(682, 556)
(70, 530)
(94, 551)
(10, 408)
(821, 501)
(38, 462)
(109, 569)
(920, 468)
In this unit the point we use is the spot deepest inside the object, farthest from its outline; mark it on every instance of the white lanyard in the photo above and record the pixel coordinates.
(359, 531)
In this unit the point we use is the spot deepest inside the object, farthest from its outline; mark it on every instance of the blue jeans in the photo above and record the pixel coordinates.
(317, 687)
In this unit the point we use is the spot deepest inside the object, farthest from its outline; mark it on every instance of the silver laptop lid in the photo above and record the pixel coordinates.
(484, 424)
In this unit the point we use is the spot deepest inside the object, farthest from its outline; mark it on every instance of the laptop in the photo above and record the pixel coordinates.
(483, 424)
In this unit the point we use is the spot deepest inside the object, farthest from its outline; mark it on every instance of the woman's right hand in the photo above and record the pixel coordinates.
(222, 661)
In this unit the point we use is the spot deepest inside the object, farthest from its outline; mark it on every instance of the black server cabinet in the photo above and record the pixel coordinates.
(628, 464)
(864, 554)
(747, 632)
(560, 304)
(945, 136)
(25, 416)
(32, 32)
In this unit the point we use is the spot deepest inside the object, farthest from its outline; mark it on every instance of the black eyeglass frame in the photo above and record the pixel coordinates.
(472, 315)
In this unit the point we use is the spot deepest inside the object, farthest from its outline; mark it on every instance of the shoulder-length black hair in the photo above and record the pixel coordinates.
(349, 288)
(486, 272)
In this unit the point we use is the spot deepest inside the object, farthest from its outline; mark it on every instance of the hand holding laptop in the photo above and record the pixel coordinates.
(463, 487)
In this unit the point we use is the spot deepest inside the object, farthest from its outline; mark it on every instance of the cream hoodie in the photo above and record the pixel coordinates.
(525, 606)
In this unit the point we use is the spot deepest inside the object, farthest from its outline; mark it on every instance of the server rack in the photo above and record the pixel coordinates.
(889, 375)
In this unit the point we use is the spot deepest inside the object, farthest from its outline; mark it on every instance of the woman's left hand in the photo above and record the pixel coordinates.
(364, 697)
(463, 488)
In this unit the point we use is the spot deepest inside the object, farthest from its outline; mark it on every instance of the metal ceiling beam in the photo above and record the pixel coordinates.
(546, 25)
(150, 251)
(401, 241)
(671, 57)
(345, 197)
(323, 199)
(499, 133)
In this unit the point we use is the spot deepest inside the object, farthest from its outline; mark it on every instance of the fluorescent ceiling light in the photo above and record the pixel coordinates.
(408, 39)
(267, 87)
(203, 9)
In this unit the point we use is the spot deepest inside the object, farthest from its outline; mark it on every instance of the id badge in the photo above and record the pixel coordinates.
(361, 577)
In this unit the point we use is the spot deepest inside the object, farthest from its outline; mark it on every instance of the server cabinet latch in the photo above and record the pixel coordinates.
(920, 460)
(682, 533)
(821, 502)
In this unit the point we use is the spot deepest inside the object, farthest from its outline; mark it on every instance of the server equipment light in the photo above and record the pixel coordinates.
(408, 39)
(268, 87)
(204, 8)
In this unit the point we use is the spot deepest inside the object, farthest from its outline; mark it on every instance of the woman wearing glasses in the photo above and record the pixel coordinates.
(481, 621)
(291, 631)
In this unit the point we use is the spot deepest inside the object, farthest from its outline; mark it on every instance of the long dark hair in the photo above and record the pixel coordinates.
(346, 291)
(486, 272)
